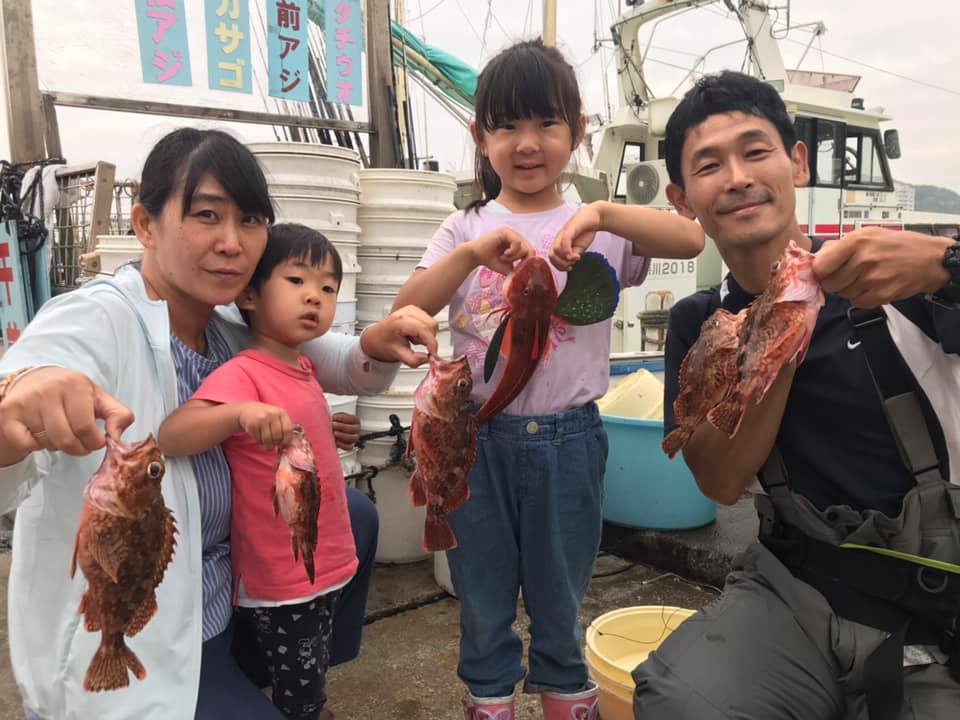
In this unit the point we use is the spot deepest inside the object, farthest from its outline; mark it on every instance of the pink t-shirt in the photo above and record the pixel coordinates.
(576, 368)
(261, 553)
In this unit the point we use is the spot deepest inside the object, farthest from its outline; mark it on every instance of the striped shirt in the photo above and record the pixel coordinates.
(213, 485)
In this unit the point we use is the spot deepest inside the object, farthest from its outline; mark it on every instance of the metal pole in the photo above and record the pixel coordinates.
(550, 22)
(24, 107)
(383, 146)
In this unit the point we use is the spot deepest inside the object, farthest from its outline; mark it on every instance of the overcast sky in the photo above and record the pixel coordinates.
(912, 48)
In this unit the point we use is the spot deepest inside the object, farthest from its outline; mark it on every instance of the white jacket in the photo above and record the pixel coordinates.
(113, 333)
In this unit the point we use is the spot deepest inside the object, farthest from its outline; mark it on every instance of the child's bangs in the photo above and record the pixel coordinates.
(522, 89)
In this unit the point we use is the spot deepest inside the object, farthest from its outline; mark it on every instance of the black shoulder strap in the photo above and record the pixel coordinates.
(903, 401)
(905, 406)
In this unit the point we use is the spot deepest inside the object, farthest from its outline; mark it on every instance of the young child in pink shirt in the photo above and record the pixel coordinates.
(250, 405)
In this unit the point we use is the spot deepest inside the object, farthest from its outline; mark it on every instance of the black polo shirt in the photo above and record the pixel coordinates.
(836, 444)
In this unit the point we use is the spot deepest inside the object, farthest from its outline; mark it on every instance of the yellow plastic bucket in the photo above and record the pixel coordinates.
(620, 640)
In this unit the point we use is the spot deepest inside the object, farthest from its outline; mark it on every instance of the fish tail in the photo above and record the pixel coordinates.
(437, 533)
(675, 441)
(728, 414)
(108, 669)
(417, 495)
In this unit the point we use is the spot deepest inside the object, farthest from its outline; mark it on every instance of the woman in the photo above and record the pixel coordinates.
(127, 351)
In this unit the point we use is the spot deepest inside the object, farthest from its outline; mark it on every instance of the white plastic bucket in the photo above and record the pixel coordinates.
(441, 572)
(117, 250)
(309, 165)
(401, 209)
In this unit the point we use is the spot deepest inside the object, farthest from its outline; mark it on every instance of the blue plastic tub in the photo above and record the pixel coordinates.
(645, 489)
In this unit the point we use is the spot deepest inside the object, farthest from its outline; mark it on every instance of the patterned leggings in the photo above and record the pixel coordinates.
(295, 642)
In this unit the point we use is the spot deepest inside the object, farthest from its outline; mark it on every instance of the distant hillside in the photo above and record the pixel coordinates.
(931, 198)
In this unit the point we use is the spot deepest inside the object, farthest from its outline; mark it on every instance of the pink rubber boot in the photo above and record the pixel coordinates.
(499, 708)
(571, 706)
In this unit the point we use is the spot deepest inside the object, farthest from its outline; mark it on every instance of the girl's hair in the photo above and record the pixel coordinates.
(181, 158)
(528, 79)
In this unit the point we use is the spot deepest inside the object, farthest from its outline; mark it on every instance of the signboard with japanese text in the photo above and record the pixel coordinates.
(287, 49)
(228, 45)
(14, 304)
(164, 52)
(343, 37)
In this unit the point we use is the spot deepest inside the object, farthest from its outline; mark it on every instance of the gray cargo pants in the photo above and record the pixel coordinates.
(770, 648)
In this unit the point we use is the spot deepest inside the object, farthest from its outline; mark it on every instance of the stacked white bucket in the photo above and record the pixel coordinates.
(400, 211)
(319, 186)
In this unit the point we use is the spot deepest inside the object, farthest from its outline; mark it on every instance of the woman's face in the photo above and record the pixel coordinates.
(206, 256)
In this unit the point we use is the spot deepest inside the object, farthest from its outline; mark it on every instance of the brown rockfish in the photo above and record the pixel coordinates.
(296, 496)
(125, 540)
(443, 439)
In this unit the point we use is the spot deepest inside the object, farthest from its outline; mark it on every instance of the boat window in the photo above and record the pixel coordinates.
(633, 153)
(863, 163)
(830, 152)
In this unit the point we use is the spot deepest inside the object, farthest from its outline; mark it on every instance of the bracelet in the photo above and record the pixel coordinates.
(10, 380)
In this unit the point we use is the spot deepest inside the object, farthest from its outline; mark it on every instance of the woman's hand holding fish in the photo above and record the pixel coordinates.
(57, 409)
(500, 249)
(346, 430)
(575, 237)
(267, 424)
(874, 266)
(390, 339)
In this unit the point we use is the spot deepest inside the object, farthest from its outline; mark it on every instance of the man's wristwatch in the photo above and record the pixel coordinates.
(949, 295)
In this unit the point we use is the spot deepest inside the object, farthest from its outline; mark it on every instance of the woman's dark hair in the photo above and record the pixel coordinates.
(292, 241)
(727, 92)
(181, 158)
(526, 80)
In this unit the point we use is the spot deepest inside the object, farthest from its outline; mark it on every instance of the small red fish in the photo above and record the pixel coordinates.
(296, 496)
(125, 541)
(531, 295)
(707, 372)
(443, 438)
(777, 331)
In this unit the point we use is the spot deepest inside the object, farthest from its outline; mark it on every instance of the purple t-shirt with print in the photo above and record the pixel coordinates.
(575, 367)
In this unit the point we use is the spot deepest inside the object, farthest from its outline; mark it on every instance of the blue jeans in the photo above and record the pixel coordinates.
(533, 521)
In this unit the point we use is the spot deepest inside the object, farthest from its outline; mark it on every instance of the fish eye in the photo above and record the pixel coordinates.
(155, 470)
(462, 383)
(526, 291)
(775, 267)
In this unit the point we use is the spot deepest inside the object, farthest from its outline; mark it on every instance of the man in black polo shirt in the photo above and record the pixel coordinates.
(773, 646)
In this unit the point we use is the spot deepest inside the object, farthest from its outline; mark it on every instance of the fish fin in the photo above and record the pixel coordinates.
(461, 493)
(308, 563)
(592, 291)
(728, 414)
(108, 669)
(418, 495)
(90, 612)
(493, 351)
(108, 552)
(541, 333)
(142, 615)
(295, 544)
(276, 500)
(675, 441)
(169, 544)
(437, 533)
(73, 558)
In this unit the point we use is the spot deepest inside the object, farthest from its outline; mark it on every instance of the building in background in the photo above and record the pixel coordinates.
(906, 195)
